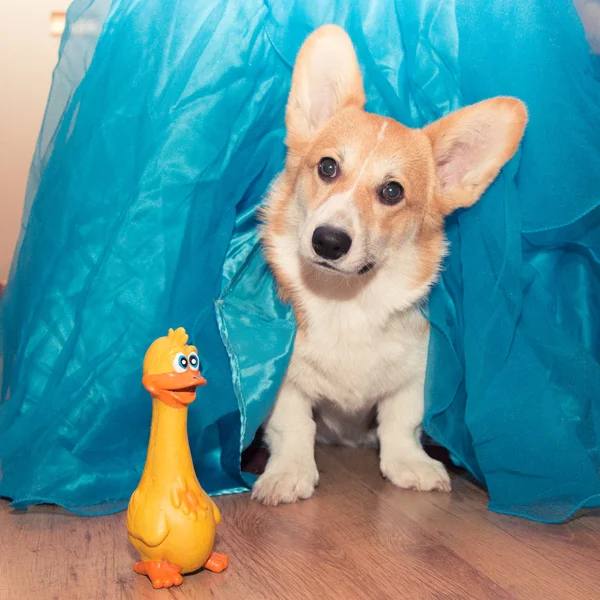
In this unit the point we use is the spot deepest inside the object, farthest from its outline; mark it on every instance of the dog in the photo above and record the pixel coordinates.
(353, 230)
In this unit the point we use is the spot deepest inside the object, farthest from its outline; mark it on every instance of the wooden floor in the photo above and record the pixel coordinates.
(358, 538)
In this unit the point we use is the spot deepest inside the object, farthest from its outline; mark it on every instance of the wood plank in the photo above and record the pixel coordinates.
(359, 537)
(528, 559)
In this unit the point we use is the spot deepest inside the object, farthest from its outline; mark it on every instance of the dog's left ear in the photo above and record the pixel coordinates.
(471, 145)
(326, 78)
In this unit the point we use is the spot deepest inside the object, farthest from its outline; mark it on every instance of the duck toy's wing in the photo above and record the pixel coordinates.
(152, 532)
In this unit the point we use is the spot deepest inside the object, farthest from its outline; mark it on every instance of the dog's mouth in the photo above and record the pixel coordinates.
(366, 268)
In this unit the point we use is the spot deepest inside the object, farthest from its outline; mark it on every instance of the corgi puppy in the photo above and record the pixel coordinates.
(353, 231)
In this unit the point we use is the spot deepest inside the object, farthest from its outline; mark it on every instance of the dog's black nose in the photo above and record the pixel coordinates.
(331, 243)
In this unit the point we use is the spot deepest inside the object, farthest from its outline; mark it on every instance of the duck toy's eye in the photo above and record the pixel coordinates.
(194, 361)
(180, 362)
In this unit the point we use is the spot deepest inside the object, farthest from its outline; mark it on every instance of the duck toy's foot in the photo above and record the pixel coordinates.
(162, 574)
(216, 562)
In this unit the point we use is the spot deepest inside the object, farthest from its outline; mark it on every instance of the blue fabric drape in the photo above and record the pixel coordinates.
(163, 130)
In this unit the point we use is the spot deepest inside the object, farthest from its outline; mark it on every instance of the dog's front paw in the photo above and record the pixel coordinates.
(285, 485)
(421, 474)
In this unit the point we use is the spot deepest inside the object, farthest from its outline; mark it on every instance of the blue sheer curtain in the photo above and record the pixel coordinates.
(163, 130)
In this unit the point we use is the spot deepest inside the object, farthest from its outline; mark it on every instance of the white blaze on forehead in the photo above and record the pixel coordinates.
(341, 205)
(375, 145)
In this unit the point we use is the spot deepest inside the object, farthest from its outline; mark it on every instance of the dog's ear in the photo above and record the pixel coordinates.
(326, 78)
(471, 145)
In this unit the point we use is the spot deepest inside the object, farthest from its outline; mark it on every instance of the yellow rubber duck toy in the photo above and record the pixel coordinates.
(171, 520)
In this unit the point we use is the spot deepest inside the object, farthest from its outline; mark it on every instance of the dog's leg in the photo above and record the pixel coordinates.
(403, 460)
(291, 472)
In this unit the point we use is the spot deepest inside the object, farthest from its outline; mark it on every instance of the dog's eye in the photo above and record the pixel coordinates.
(392, 192)
(328, 168)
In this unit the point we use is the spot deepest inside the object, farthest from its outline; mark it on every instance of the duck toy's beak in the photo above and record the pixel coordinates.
(174, 389)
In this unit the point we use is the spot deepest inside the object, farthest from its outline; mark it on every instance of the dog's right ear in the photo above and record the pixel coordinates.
(326, 78)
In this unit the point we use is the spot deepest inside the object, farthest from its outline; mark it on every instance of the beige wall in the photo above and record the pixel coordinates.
(27, 57)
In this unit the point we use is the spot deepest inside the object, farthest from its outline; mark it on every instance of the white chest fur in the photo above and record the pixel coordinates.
(352, 355)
